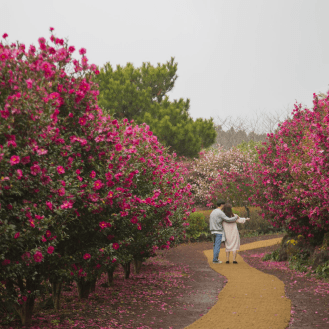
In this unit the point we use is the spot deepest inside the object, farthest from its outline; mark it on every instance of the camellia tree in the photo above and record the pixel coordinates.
(77, 188)
(292, 181)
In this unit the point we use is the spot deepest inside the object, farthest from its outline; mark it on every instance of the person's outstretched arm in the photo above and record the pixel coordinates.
(242, 220)
(229, 219)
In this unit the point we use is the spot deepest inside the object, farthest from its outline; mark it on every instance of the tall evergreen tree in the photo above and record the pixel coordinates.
(140, 94)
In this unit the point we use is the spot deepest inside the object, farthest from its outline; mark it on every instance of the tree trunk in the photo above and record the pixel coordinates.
(25, 310)
(83, 288)
(56, 292)
(110, 276)
(93, 285)
(137, 265)
(126, 268)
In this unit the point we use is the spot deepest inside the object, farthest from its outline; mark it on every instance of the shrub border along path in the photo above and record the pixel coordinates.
(250, 299)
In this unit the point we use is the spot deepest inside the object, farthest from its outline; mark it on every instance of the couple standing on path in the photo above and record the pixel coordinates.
(223, 227)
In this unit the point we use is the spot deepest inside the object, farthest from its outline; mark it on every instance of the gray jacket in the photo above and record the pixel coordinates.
(217, 216)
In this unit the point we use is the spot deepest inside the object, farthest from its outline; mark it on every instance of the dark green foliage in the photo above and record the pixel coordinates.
(197, 225)
(140, 94)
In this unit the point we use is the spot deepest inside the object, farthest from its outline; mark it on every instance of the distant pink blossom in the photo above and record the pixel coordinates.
(19, 173)
(15, 159)
(86, 256)
(5, 262)
(115, 246)
(82, 51)
(118, 147)
(29, 83)
(25, 160)
(82, 121)
(35, 169)
(38, 257)
(60, 170)
(50, 249)
(16, 236)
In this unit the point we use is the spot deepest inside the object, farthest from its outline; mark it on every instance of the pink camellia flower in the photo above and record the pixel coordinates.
(114, 260)
(134, 220)
(42, 151)
(118, 147)
(51, 29)
(25, 160)
(115, 246)
(50, 249)
(82, 121)
(67, 205)
(29, 83)
(139, 226)
(15, 159)
(16, 236)
(102, 225)
(61, 191)
(5, 35)
(60, 170)
(43, 239)
(19, 173)
(12, 143)
(78, 172)
(92, 174)
(38, 257)
(41, 40)
(86, 256)
(5, 262)
(98, 185)
(49, 205)
(82, 51)
(71, 49)
(35, 169)
(48, 233)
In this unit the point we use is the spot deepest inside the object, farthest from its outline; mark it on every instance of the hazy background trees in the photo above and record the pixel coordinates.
(232, 131)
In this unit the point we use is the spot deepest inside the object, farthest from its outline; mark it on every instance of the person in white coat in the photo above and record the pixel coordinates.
(232, 236)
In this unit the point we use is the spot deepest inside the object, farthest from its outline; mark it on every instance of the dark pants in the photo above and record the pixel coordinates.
(217, 239)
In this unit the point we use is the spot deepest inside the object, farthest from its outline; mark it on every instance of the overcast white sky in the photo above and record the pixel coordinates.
(234, 57)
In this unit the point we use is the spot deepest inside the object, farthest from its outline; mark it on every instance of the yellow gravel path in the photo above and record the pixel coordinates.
(250, 299)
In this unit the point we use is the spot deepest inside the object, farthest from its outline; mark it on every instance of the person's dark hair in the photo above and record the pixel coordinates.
(220, 202)
(228, 210)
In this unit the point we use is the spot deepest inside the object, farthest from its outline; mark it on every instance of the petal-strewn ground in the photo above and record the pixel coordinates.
(177, 287)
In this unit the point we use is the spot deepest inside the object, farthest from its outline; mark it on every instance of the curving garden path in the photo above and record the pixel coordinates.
(250, 299)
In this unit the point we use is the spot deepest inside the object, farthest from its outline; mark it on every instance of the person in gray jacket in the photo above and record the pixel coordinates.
(217, 216)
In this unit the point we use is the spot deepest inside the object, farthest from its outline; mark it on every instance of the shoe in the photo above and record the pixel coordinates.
(234, 262)
(227, 262)
(217, 262)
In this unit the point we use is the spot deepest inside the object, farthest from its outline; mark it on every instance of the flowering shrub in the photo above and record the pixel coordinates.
(234, 186)
(79, 192)
(205, 182)
(293, 179)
